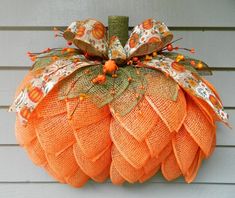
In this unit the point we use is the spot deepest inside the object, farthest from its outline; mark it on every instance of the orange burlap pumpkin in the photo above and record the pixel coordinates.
(125, 115)
(158, 134)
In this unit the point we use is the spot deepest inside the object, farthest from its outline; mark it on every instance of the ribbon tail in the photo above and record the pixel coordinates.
(38, 87)
(191, 83)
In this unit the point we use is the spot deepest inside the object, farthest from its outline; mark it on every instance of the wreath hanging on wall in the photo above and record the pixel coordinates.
(102, 110)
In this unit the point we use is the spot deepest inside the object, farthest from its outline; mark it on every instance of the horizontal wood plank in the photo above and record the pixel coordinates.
(225, 135)
(151, 190)
(206, 25)
(16, 167)
(208, 45)
(175, 13)
(9, 81)
(223, 81)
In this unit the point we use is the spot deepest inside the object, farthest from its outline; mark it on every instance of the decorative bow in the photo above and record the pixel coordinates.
(90, 36)
(144, 49)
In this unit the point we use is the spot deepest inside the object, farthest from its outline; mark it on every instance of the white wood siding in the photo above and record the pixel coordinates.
(206, 25)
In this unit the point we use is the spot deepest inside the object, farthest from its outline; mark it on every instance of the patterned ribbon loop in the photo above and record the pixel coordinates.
(147, 37)
(90, 36)
(116, 51)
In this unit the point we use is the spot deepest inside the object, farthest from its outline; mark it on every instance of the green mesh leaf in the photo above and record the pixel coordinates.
(133, 93)
(80, 84)
(124, 92)
(144, 81)
(159, 84)
(45, 59)
(202, 72)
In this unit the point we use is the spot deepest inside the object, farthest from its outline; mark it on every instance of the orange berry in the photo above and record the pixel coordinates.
(114, 75)
(70, 50)
(135, 59)
(69, 43)
(154, 54)
(100, 79)
(33, 58)
(129, 79)
(169, 47)
(87, 71)
(110, 66)
(200, 65)
(129, 62)
(192, 50)
(46, 50)
(179, 58)
(147, 57)
(192, 63)
(54, 58)
(81, 98)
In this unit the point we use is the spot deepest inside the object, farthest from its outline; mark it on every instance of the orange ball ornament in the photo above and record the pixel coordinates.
(110, 67)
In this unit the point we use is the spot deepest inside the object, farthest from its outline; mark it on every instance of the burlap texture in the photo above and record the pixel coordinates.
(74, 140)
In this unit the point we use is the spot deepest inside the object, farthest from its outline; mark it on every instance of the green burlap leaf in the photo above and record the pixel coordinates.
(205, 71)
(80, 84)
(46, 59)
(159, 84)
(133, 93)
(123, 92)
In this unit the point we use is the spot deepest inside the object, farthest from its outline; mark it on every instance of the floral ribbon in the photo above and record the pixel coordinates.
(90, 36)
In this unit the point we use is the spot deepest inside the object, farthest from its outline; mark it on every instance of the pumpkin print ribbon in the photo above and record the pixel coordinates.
(90, 37)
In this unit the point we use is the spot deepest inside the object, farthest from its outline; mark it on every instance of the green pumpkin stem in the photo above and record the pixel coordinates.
(118, 26)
